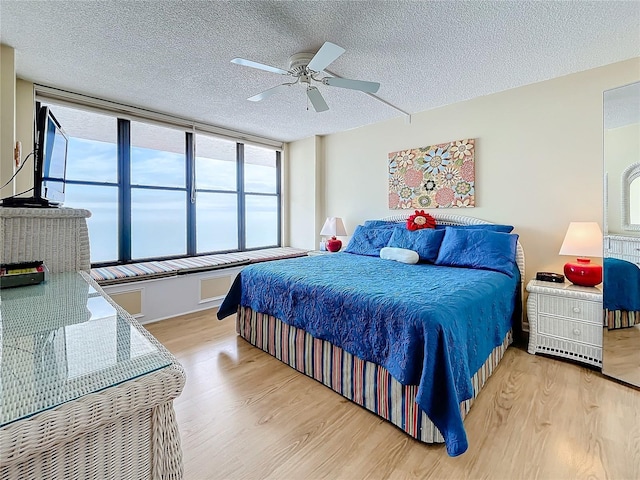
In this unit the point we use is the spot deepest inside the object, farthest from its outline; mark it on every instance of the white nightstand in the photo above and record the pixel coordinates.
(566, 320)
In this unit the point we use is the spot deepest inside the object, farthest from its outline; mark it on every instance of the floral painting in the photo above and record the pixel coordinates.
(437, 176)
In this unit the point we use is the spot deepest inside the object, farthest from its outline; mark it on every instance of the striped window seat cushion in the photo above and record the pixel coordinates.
(132, 272)
(166, 268)
(277, 253)
(207, 262)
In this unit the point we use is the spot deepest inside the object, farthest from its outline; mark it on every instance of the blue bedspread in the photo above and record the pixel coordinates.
(432, 326)
(622, 285)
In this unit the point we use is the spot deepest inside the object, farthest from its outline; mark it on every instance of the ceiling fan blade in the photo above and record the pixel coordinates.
(369, 87)
(316, 100)
(267, 93)
(328, 53)
(260, 66)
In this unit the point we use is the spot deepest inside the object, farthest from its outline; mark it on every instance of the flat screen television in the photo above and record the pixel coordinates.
(51, 158)
(50, 163)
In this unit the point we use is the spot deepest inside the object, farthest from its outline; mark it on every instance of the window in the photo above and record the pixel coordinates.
(216, 194)
(261, 188)
(92, 175)
(156, 191)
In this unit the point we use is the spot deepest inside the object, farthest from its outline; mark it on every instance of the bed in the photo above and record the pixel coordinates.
(413, 343)
(622, 293)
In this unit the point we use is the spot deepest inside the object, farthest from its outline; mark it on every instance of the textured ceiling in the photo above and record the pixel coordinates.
(174, 57)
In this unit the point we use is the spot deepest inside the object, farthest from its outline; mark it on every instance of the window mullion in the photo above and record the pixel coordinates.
(241, 200)
(124, 189)
(190, 157)
(279, 197)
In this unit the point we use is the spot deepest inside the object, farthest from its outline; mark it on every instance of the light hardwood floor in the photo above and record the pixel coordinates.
(245, 415)
(621, 354)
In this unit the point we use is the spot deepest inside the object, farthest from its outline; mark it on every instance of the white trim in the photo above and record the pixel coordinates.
(137, 113)
(158, 319)
(630, 173)
(212, 299)
(605, 187)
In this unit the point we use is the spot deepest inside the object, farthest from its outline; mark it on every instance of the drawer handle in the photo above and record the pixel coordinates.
(576, 309)
(576, 332)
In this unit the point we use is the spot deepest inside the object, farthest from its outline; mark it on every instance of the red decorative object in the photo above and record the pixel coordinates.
(333, 244)
(583, 273)
(420, 220)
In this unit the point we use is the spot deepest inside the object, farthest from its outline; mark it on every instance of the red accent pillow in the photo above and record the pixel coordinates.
(420, 220)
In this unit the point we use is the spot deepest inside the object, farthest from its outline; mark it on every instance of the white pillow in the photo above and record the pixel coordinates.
(402, 255)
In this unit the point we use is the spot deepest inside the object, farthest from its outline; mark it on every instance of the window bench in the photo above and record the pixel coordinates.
(152, 291)
(167, 268)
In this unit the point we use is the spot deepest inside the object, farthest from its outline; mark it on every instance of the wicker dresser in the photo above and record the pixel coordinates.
(565, 320)
(57, 236)
(85, 391)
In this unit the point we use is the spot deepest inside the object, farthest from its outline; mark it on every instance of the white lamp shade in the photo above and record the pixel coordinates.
(583, 239)
(333, 227)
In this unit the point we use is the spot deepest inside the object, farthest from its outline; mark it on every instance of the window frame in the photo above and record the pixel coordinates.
(125, 188)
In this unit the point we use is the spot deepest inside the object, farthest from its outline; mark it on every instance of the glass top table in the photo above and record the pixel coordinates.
(61, 340)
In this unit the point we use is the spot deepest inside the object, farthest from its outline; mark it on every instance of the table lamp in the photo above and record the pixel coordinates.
(583, 239)
(333, 227)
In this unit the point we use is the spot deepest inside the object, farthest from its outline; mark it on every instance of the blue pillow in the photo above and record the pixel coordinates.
(425, 241)
(488, 226)
(368, 240)
(483, 249)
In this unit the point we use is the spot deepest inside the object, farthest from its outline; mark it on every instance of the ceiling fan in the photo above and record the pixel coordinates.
(308, 68)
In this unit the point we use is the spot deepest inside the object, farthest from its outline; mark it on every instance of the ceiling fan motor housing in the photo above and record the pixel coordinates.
(298, 64)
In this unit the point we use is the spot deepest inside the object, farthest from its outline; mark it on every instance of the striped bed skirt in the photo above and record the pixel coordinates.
(367, 384)
(622, 318)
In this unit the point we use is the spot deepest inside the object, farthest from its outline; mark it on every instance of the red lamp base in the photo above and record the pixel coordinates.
(583, 273)
(333, 244)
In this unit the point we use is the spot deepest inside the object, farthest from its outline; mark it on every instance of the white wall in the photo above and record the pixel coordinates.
(16, 123)
(538, 159)
(304, 186)
(7, 115)
(25, 119)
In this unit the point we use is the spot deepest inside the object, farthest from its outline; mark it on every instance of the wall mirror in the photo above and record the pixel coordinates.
(621, 287)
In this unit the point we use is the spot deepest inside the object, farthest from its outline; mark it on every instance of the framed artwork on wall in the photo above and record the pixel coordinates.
(436, 176)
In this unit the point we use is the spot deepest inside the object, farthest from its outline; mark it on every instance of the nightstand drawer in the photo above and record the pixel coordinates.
(570, 308)
(571, 330)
